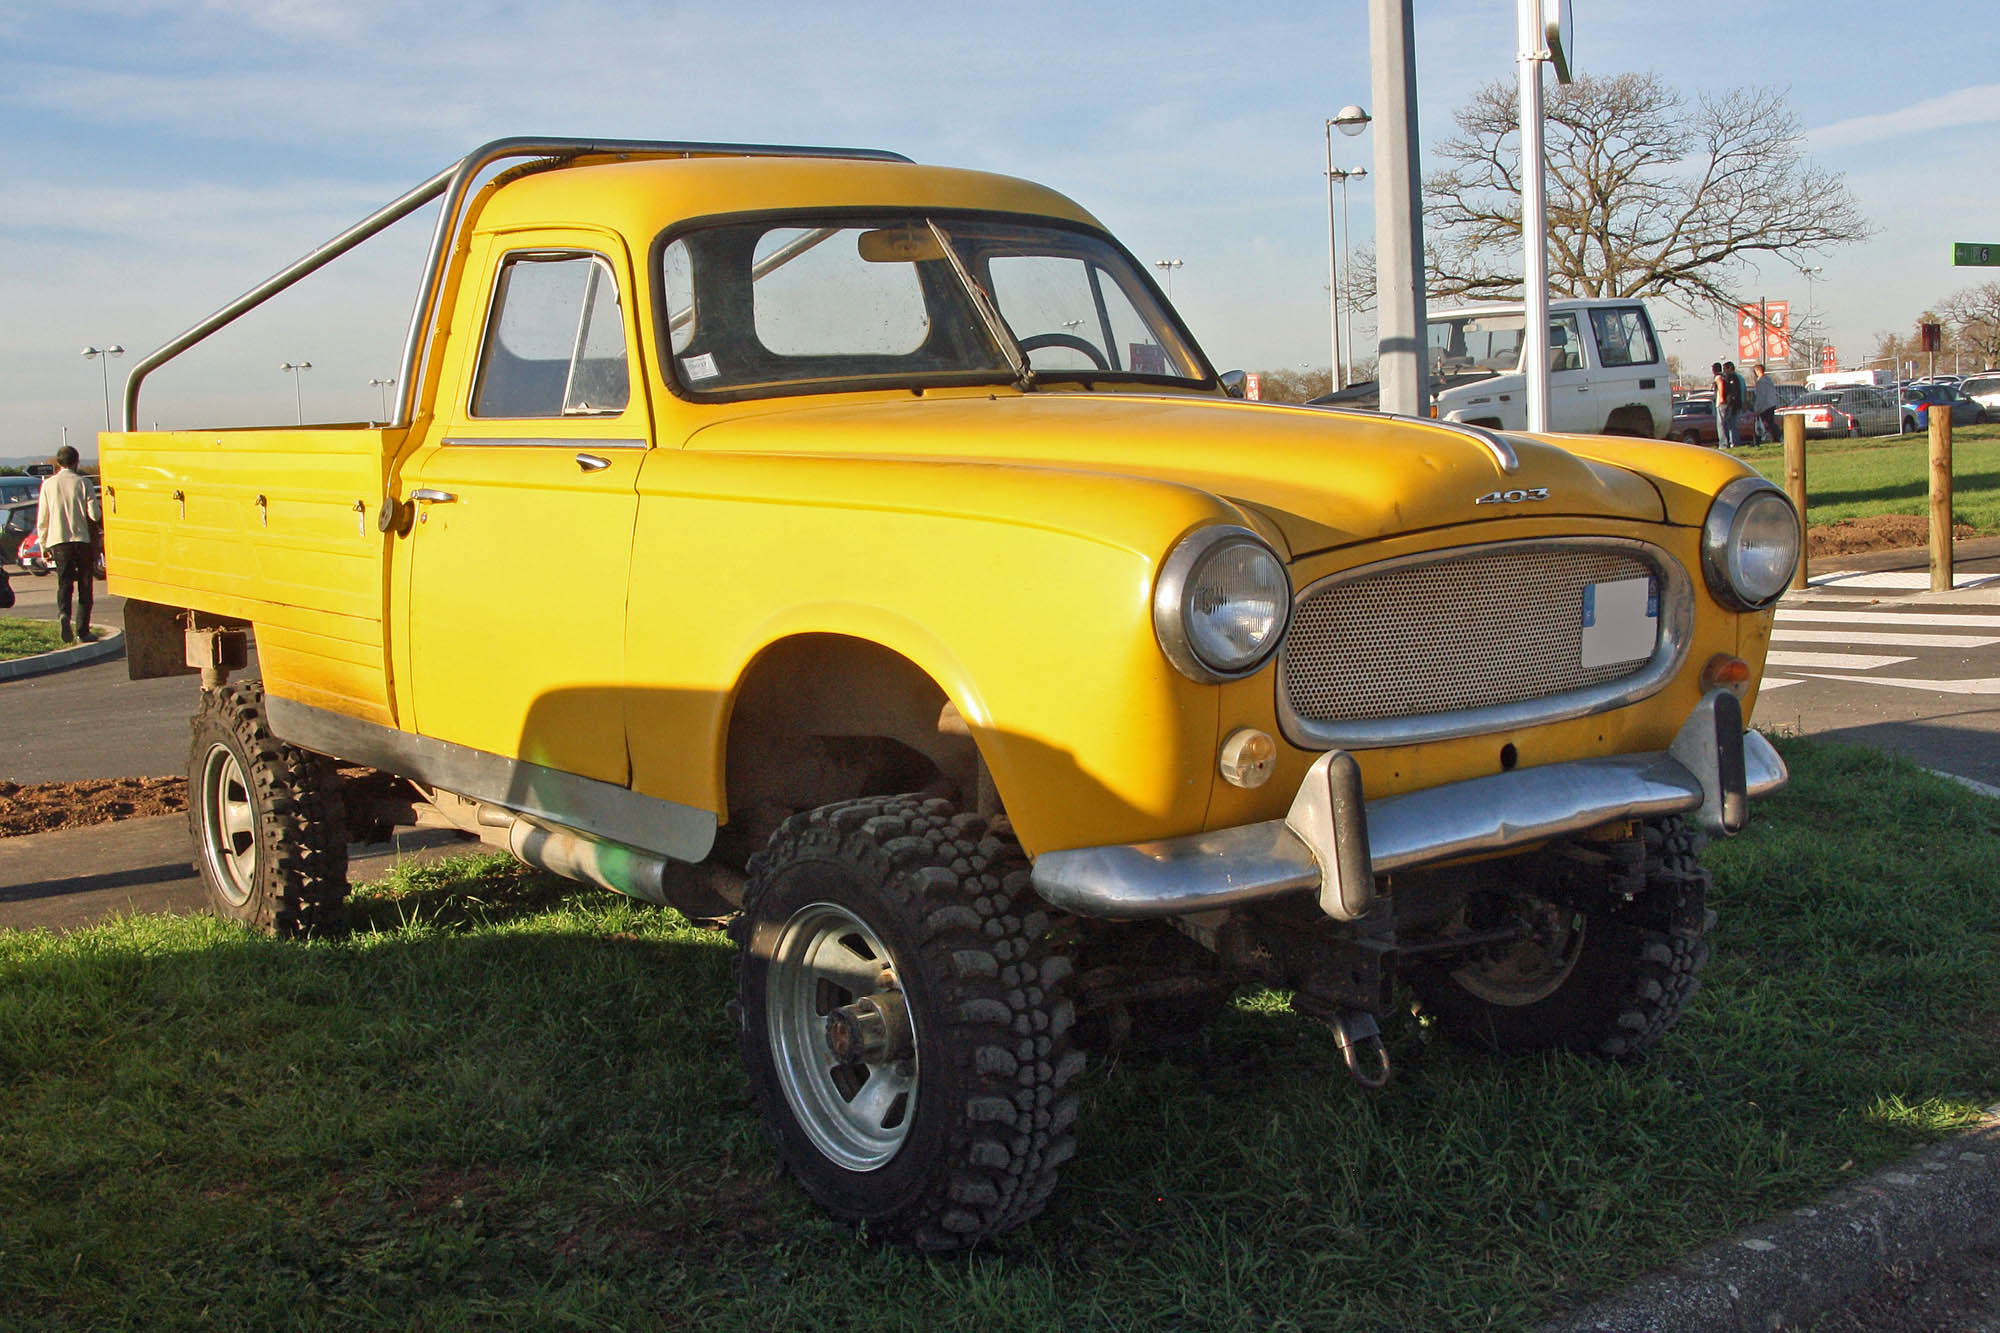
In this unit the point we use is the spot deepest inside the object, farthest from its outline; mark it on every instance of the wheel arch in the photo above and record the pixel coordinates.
(1631, 419)
(822, 716)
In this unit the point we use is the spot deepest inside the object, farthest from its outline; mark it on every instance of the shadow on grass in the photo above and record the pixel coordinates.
(503, 1100)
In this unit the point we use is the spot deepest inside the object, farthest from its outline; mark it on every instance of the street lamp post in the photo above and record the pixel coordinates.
(296, 369)
(102, 356)
(1351, 121)
(1812, 351)
(1167, 266)
(383, 386)
(1347, 233)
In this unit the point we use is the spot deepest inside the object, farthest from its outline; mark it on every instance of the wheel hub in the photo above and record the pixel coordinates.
(843, 1038)
(873, 1030)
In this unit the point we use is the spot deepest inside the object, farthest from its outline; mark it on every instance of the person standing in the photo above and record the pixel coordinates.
(1764, 402)
(1732, 404)
(1720, 389)
(66, 524)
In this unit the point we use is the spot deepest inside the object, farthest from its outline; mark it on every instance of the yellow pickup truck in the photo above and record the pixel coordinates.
(927, 602)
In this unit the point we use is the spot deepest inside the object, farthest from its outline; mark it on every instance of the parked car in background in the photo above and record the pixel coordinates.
(1984, 389)
(13, 490)
(17, 525)
(1918, 400)
(1845, 412)
(1694, 421)
(28, 554)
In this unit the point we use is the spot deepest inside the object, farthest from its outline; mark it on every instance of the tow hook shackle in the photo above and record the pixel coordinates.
(1359, 1037)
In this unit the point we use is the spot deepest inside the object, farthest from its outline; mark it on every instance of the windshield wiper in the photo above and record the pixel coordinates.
(996, 328)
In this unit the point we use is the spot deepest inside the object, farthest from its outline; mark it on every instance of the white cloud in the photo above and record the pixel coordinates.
(1977, 105)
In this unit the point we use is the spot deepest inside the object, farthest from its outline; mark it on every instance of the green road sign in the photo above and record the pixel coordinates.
(1975, 254)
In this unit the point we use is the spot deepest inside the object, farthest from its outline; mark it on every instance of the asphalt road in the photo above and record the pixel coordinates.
(1866, 657)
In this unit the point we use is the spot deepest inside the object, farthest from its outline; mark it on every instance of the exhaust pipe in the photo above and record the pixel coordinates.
(608, 865)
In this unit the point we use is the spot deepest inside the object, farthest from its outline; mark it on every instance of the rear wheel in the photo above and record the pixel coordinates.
(269, 840)
(1596, 973)
(1690, 437)
(905, 1028)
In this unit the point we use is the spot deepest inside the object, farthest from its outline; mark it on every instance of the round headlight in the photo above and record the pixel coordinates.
(1750, 544)
(1221, 604)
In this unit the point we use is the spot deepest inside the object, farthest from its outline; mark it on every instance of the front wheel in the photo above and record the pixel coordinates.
(905, 1027)
(1593, 971)
(269, 839)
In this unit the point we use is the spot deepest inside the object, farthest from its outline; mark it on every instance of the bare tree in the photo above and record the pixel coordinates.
(1647, 195)
(1972, 318)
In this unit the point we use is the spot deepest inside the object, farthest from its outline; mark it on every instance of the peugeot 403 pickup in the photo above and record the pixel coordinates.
(930, 609)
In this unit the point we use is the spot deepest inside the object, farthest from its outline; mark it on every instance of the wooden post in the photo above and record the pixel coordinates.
(1940, 497)
(1795, 483)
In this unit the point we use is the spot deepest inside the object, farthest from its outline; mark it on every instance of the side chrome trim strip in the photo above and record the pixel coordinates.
(1676, 633)
(601, 810)
(536, 442)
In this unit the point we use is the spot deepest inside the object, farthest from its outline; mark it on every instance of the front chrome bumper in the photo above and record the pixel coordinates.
(1336, 843)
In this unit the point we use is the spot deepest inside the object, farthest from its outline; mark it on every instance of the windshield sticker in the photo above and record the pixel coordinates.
(699, 367)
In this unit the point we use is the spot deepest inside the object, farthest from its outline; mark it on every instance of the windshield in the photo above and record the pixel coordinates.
(1466, 344)
(801, 304)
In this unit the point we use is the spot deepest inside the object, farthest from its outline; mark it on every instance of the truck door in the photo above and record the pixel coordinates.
(525, 495)
(1633, 392)
(1572, 378)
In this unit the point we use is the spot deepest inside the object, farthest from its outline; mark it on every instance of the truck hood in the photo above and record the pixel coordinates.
(1459, 395)
(1324, 479)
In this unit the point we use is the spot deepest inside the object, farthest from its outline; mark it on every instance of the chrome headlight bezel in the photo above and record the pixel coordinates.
(1179, 579)
(1722, 542)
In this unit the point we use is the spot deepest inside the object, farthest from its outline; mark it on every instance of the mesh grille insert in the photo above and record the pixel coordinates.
(1466, 631)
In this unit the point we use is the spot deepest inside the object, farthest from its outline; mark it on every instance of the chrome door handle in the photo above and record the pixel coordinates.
(592, 462)
(425, 495)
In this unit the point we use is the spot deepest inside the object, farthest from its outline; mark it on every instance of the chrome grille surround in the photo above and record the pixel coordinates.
(1495, 645)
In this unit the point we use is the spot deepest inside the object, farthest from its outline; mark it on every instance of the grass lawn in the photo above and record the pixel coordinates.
(24, 638)
(1889, 474)
(510, 1103)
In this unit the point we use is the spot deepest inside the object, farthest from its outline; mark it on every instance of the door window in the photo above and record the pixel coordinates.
(1623, 337)
(1565, 346)
(555, 340)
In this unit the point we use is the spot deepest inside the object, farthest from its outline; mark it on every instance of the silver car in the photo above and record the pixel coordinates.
(1854, 411)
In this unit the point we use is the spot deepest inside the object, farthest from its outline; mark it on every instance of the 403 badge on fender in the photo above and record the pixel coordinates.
(1513, 497)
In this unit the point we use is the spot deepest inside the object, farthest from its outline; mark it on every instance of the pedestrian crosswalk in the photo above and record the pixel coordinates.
(1813, 641)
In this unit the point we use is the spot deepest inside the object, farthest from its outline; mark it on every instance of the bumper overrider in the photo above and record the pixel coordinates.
(1336, 842)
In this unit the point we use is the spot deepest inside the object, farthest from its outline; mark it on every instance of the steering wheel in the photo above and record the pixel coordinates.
(1069, 340)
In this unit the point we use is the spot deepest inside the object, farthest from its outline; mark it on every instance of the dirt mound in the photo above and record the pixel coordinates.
(45, 806)
(1877, 532)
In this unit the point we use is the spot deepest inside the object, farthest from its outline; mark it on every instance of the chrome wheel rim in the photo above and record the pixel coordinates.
(228, 826)
(857, 1113)
(1530, 970)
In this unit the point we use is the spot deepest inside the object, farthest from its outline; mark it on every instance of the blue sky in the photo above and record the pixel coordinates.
(164, 155)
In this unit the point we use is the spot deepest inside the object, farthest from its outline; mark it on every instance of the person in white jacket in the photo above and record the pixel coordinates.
(66, 524)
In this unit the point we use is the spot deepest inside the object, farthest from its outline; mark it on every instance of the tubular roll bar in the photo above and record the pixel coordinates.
(454, 182)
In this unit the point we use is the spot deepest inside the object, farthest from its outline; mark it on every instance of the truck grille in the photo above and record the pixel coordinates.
(1454, 636)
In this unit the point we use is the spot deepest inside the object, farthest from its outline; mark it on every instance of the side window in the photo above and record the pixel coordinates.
(1623, 338)
(677, 279)
(555, 340)
(1565, 347)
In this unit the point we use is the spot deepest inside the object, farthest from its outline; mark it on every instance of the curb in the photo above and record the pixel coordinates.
(1932, 1205)
(108, 644)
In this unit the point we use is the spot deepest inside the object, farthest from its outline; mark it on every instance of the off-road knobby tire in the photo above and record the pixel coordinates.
(949, 898)
(296, 839)
(1636, 969)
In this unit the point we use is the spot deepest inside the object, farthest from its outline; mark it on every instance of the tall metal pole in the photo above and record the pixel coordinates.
(1332, 268)
(1399, 210)
(1346, 235)
(1534, 218)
